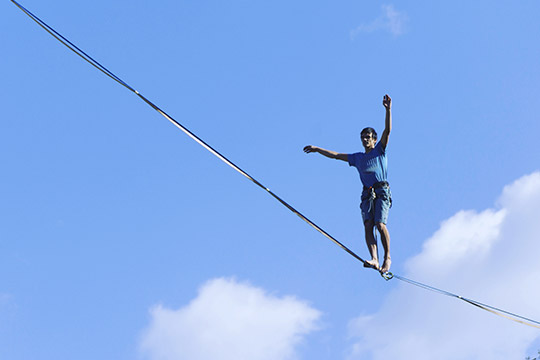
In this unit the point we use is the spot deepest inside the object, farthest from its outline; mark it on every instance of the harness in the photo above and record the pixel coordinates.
(371, 194)
(378, 185)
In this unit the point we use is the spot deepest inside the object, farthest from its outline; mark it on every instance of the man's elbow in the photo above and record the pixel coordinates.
(342, 157)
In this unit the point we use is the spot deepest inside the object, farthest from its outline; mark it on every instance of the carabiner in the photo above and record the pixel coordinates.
(387, 275)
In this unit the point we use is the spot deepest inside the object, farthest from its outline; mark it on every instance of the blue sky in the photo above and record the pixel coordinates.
(122, 238)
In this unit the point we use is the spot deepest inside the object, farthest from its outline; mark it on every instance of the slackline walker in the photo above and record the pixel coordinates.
(386, 276)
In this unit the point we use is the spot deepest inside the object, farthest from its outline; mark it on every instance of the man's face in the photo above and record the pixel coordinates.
(367, 140)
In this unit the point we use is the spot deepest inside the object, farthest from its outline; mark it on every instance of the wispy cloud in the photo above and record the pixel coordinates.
(490, 256)
(390, 20)
(229, 320)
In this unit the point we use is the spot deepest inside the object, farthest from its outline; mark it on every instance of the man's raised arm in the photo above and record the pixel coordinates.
(387, 103)
(329, 154)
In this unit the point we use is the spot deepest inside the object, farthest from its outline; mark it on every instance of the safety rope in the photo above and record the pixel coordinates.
(386, 276)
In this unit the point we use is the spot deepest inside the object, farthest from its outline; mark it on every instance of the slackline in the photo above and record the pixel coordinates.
(386, 276)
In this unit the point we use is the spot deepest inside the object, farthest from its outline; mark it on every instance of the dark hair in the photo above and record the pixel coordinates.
(371, 131)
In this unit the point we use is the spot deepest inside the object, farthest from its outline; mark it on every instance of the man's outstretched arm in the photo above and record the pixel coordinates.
(329, 154)
(387, 103)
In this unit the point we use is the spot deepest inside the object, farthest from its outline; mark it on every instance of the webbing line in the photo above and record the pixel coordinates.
(72, 46)
(489, 308)
(104, 70)
(387, 276)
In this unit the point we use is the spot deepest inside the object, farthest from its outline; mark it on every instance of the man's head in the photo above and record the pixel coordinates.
(368, 137)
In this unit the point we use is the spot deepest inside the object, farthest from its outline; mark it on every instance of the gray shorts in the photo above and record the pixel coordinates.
(375, 204)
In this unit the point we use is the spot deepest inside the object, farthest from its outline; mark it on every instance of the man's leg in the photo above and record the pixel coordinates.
(371, 244)
(385, 240)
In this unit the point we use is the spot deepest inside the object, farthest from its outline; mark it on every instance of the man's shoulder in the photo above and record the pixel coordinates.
(380, 148)
(354, 157)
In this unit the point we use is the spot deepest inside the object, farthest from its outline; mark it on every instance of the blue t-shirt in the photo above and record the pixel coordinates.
(372, 166)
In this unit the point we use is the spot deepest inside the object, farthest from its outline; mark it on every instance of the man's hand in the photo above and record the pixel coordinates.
(329, 154)
(387, 102)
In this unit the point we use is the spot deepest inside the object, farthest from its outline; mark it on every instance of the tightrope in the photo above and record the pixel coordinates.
(386, 276)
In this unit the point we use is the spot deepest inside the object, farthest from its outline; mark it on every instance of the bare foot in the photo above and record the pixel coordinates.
(386, 265)
(373, 263)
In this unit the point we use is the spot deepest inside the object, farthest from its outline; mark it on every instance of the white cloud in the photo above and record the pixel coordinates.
(490, 256)
(229, 320)
(391, 21)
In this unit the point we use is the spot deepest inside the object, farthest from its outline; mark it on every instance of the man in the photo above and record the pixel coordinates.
(376, 196)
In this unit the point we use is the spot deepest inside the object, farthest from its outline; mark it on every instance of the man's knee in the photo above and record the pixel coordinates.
(381, 226)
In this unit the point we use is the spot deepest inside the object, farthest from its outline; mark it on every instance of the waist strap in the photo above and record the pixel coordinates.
(378, 185)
